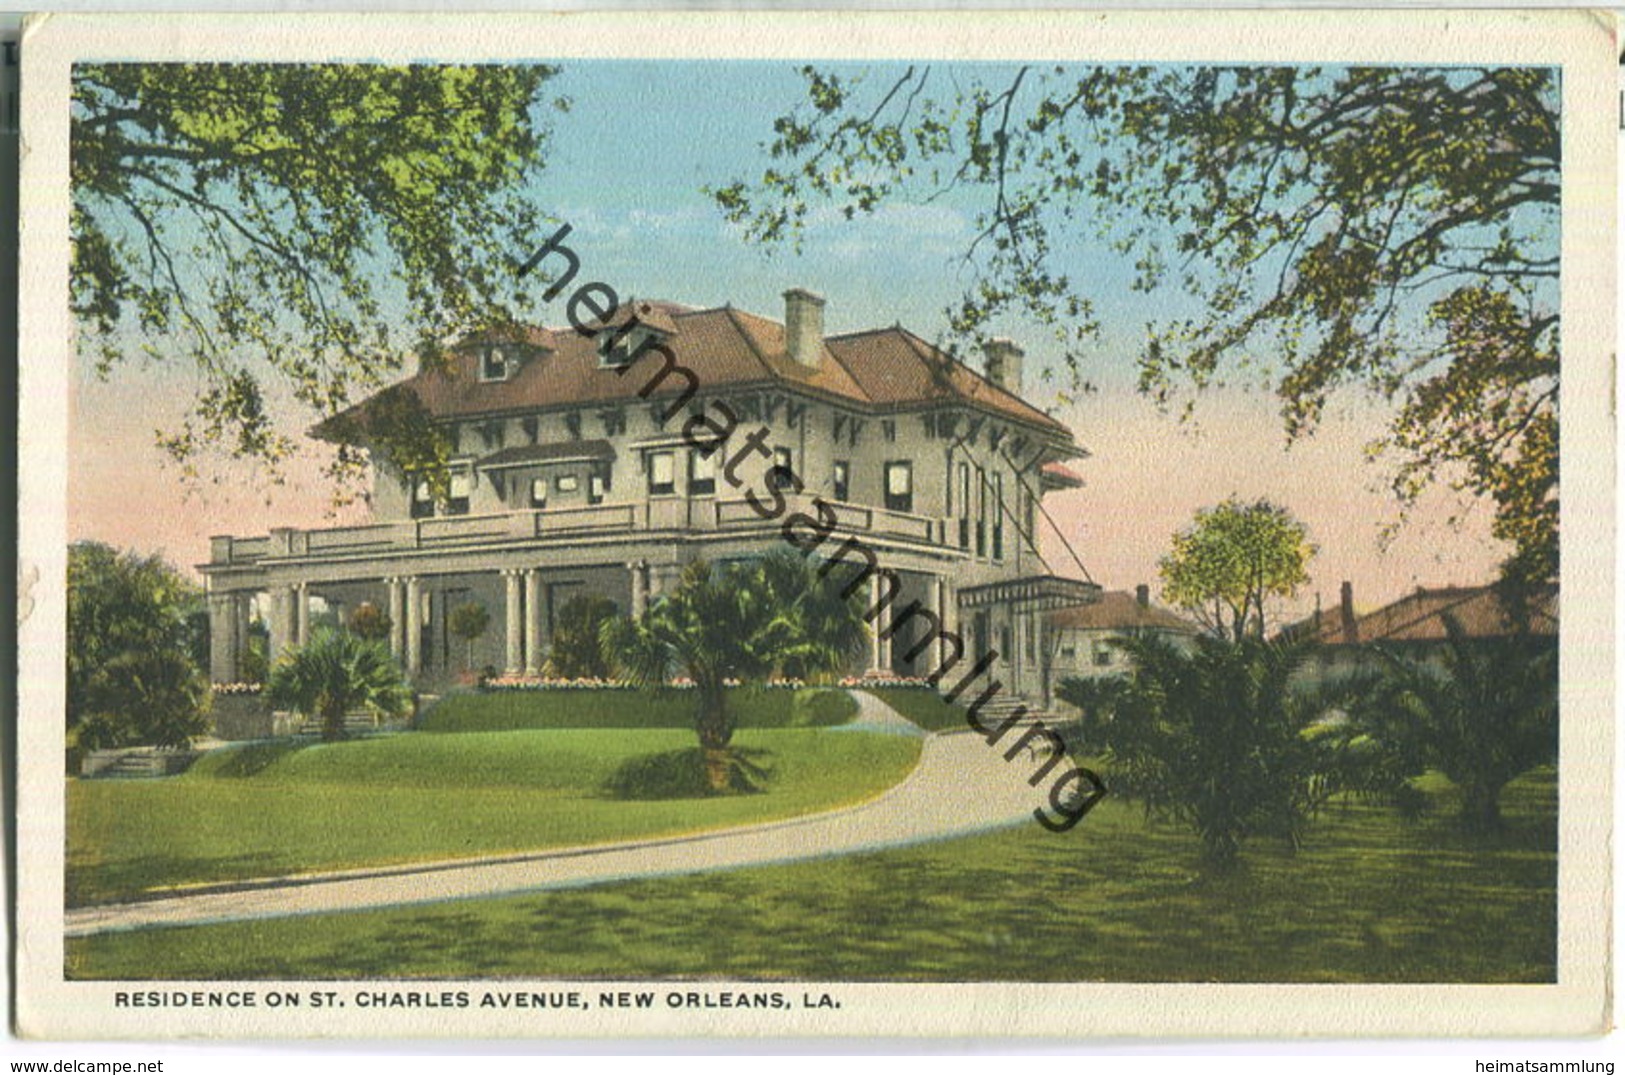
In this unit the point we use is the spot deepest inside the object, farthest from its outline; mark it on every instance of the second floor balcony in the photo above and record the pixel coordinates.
(675, 517)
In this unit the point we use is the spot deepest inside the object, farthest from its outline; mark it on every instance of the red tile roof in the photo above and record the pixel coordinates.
(1419, 616)
(1120, 611)
(889, 369)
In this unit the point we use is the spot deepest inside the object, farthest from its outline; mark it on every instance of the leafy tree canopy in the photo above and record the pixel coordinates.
(265, 223)
(1394, 228)
(1231, 560)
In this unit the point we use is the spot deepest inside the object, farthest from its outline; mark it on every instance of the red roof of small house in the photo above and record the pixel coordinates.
(1120, 611)
(1420, 616)
(885, 370)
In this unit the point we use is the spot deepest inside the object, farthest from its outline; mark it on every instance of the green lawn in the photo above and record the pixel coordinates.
(272, 809)
(1370, 898)
(924, 707)
(503, 711)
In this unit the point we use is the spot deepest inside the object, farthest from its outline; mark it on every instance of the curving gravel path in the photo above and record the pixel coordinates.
(960, 786)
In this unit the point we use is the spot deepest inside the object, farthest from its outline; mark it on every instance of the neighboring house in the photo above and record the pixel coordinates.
(1414, 625)
(572, 474)
(1081, 636)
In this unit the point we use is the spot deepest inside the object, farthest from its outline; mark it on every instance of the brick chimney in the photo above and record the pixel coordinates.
(1142, 594)
(804, 326)
(1351, 628)
(1004, 364)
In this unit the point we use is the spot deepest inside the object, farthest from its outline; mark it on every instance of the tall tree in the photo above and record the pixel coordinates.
(131, 677)
(1389, 227)
(265, 223)
(1231, 560)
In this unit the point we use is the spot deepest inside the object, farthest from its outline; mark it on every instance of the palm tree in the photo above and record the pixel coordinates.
(1217, 737)
(732, 623)
(1482, 714)
(337, 672)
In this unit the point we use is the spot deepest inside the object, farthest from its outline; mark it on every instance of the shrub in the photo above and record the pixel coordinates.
(1218, 738)
(682, 774)
(577, 652)
(370, 622)
(815, 708)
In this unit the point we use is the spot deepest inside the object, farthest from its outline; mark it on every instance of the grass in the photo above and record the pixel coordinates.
(502, 711)
(1370, 898)
(273, 809)
(923, 706)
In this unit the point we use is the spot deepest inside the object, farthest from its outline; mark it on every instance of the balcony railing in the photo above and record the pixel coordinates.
(633, 517)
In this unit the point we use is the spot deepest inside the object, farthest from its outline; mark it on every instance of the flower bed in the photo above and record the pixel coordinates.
(887, 679)
(545, 683)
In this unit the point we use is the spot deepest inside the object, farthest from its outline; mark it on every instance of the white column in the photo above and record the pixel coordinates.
(879, 647)
(397, 617)
(533, 622)
(936, 591)
(1040, 660)
(640, 587)
(414, 626)
(1018, 643)
(301, 614)
(242, 613)
(222, 638)
(516, 623)
(281, 622)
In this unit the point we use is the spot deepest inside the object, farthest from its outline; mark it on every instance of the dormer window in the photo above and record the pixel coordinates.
(620, 346)
(493, 364)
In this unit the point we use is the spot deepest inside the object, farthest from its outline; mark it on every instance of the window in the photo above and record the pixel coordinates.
(538, 493)
(964, 505)
(1004, 642)
(782, 475)
(998, 516)
(662, 474)
(900, 486)
(566, 483)
(1069, 653)
(422, 500)
(597, 486)
(981, 512)
(615, 347)
(493, 365)
(1103, 655)
(462, 487)
(702, 473)
(842, 479)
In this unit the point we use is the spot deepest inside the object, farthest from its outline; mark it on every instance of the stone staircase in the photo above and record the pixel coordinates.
(997, 709)
(358, 722)
(141, 763)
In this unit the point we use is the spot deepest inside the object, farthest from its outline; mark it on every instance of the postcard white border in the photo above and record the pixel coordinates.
(1582, 43)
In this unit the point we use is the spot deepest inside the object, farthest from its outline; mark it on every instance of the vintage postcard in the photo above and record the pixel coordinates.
(748, 524)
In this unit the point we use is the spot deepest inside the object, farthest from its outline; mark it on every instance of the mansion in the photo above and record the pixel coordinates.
(574, 471)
